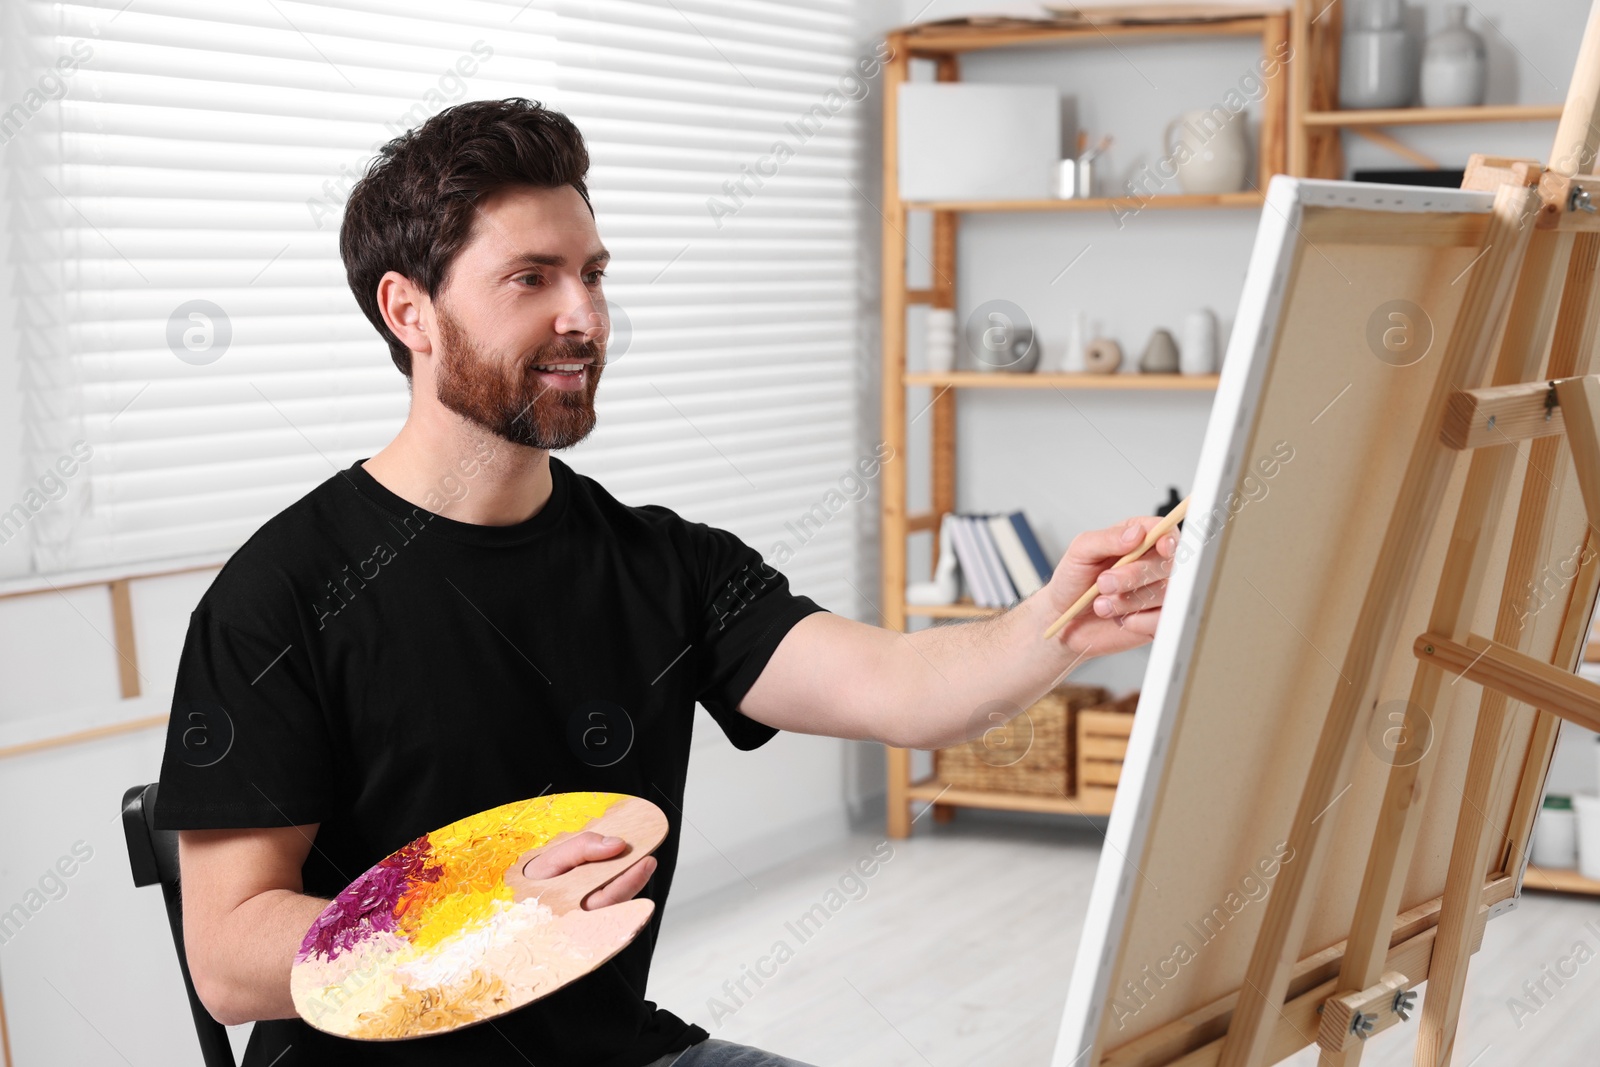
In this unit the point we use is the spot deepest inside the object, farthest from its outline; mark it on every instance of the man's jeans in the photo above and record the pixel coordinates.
(715, 1052)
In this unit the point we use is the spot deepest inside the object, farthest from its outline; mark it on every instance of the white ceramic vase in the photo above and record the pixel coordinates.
(1455, 64)
(1216, 152)
(1198, 353)
(1375, 62)
(1077, 337)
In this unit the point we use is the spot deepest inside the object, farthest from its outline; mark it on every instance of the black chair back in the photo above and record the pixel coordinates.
(153, 855)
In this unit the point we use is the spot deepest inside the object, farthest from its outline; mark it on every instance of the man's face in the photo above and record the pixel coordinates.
(522, 298)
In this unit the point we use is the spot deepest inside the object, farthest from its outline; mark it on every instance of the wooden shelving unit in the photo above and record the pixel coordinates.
(1317, 123)
(1433, 116)
(1558, 880)
(1168, 202)
(967, 379)
(944, 45)
(961, 609)
(983, 798)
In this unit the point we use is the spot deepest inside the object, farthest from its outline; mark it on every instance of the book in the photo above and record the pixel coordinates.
(1019, 567)
(972, 573)
(1005, 592)
(1030, 543)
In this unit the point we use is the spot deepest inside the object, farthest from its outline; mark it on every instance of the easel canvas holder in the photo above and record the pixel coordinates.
(1386, 579)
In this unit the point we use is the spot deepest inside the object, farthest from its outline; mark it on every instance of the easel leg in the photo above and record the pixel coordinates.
(1486, 770)
(898, 823)
(5, 1033)
(1528, 331)
(1580, 407)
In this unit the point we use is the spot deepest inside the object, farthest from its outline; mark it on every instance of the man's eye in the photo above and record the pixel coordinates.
(532, 279)
(595, 276)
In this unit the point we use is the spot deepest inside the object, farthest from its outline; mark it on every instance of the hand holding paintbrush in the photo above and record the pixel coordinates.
(1150, 540)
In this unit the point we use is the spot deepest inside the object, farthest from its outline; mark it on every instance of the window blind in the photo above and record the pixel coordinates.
(736, 402)
(182, 309)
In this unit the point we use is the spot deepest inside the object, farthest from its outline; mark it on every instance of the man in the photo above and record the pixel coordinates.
(443, 628)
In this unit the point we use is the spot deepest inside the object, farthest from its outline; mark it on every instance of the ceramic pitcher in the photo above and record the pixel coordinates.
(1217, 149)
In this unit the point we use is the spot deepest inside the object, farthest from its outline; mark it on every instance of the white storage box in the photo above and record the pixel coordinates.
(966, 141)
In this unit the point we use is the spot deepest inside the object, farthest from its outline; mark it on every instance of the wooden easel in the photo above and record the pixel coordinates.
(1536, 282)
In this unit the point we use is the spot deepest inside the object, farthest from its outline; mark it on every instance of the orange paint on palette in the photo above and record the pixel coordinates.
(449, 930)
(473, 855)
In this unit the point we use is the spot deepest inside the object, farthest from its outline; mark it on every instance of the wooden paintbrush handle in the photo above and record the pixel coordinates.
(1157, 532)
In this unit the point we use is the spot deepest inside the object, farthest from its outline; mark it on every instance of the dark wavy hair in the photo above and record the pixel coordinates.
(412, 210)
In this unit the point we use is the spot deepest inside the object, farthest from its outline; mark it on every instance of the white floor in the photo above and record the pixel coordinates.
(956, 953)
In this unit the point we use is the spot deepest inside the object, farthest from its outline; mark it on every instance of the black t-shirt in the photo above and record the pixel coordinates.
(371, 666)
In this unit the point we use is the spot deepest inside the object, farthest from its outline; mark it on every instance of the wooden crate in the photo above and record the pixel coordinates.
(1030, 753)
(1102, 742)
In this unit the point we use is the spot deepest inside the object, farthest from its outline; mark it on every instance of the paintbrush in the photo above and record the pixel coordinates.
(1097, 150)
(1157, 532)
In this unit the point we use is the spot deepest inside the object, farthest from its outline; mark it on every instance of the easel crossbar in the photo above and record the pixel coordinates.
(1516, 675)
(1504, 414)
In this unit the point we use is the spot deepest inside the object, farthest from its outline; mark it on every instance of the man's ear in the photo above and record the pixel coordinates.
(407, 311)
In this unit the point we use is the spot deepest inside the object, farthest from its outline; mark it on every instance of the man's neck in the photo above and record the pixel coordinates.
(464, 472)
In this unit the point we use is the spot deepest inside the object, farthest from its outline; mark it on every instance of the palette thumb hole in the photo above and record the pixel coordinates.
(641, 829)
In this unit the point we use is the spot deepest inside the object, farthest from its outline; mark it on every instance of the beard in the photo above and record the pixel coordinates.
(506, 398)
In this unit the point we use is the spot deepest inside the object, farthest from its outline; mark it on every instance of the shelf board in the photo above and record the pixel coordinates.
(1175, 201)
(961, 609)
(969, 379)
(932, 788)
(934, 39)
(1591, 651)
(1560, 881)
(1426, 116)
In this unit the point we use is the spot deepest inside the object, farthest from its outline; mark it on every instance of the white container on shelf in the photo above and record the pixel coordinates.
(941, 337)
(976, 141)
(1588, 809)
(1071, 361)
(1198, 353)
(1555, 835)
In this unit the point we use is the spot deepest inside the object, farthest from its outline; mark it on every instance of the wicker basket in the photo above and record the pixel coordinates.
(1031, 753)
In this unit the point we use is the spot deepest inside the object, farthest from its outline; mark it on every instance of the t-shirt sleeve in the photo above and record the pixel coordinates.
(747, 608)
(247, 742)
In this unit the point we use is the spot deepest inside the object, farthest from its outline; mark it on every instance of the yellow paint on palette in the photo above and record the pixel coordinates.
(477, 850)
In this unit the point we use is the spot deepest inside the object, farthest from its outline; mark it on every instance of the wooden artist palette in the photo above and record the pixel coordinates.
(448, 930)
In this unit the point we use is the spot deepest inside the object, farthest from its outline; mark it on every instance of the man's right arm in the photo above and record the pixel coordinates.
(244, 917)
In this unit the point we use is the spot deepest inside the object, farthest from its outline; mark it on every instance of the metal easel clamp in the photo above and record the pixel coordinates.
(1371, 1011)
(1569, 201)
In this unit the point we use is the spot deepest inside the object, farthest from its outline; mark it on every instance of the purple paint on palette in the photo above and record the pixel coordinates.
(367, 905)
